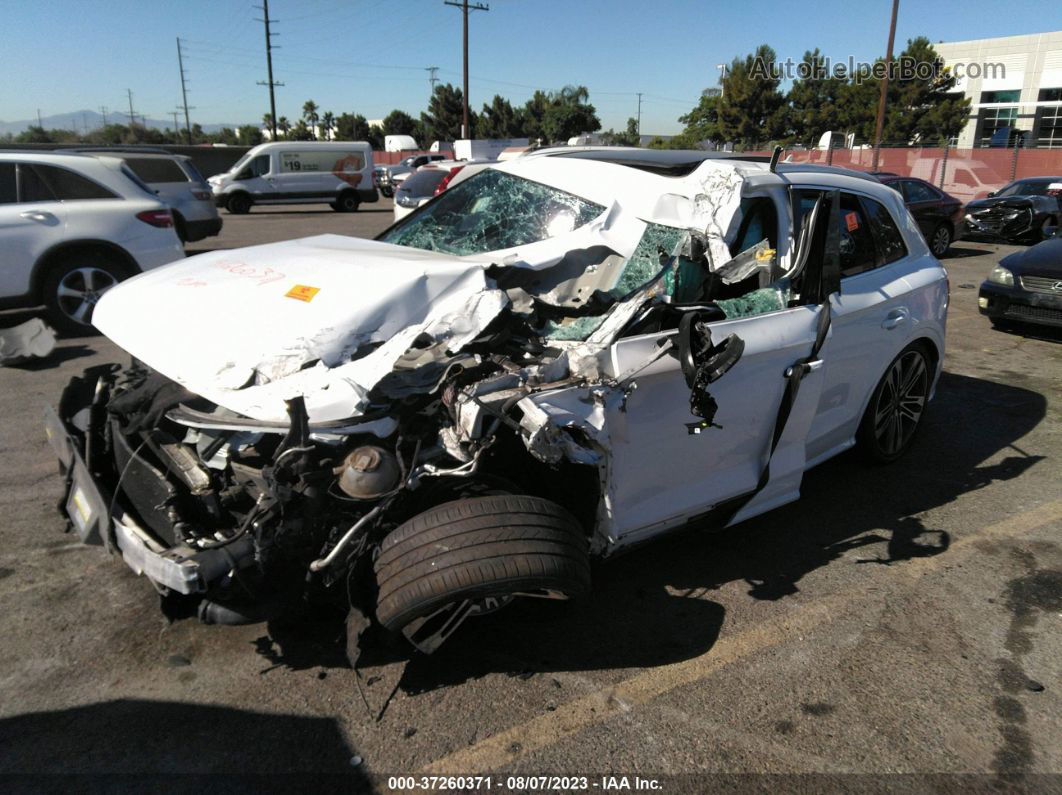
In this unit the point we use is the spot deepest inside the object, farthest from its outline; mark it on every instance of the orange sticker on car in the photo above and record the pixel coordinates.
(302, 292)
(852, 219)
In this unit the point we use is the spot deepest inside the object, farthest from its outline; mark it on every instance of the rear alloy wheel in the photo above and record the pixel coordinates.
(940, 240)
(72, 289)
(238, 204)
(346, 203)
(474, 556)
(896, 407)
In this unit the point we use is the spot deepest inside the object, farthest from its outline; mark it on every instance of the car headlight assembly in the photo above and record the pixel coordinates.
(1001, 275)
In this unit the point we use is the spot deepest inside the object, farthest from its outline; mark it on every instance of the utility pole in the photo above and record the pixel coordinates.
(639, 118)
(176, 126)
(465, 8)
(269, 65)
(184, 96)
(132, 115)
(433, 76)
(39, 119)
(884, 87)
(103, 112)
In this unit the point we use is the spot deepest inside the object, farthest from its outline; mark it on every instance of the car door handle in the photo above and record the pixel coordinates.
(37, 215)
(894, 319)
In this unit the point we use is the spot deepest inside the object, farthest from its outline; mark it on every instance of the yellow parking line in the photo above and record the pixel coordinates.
(545, 730)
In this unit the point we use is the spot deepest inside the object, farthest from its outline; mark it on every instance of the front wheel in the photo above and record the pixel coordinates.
(73, 286)
(473, 556)
(940, 240)
(238, 204)
(897, 406)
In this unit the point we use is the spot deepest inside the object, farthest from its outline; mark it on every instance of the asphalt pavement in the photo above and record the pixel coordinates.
(899, 621)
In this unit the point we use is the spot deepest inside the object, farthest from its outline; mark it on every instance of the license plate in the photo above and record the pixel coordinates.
(84, 507)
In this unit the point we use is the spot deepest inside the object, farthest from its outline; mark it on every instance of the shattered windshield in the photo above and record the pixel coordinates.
(492, 210)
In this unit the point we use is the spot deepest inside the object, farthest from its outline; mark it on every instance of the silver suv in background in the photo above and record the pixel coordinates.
(71, 227)
(176, 180)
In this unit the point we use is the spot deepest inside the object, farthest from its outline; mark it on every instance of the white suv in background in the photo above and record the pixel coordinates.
(71, 227)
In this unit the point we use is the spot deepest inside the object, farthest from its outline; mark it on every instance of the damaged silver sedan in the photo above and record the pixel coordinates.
(559, 357)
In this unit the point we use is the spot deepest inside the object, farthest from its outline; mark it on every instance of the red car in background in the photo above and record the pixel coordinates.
(939, 214)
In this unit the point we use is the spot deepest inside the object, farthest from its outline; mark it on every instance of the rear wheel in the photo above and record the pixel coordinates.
(940, 240)
(473, 556)
(238, 204)
(74, 284)
(346, 202)
(897, 406)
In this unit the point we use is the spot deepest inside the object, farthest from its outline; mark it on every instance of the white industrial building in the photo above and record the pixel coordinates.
(1012, 82)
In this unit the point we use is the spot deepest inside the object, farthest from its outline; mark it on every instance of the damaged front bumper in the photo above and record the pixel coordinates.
(98, 517)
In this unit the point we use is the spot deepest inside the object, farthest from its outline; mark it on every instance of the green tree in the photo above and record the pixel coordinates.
(630, 137)
(500, 120)
(399, 122)
(443, 119)
(534, 116)
(702, 124)
(249, 135)
(569, 113)
(815, 101)
(300, 132)
(923, 107)
(310, 116)
(751, 109)
(34, 135)
(351, 127)
(283, 126)
(328, 123)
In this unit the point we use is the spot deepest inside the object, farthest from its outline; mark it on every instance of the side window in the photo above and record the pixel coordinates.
(888, 237)
(759, 221)
(156, 169)
(65, 185)
(260, 166)
(918, 192)
(857, 245)
(8, 194)
(32, 187)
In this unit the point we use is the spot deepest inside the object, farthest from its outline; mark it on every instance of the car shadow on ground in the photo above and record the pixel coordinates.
(654, 606)
(960, 252)
(1030, 331)
(164, 745)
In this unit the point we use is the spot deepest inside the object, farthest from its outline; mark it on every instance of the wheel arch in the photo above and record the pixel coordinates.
(51, 256)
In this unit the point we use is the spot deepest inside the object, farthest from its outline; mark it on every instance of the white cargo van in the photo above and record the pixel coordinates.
(298, 172)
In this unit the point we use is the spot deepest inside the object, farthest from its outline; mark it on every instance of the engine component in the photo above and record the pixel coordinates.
(368, 473)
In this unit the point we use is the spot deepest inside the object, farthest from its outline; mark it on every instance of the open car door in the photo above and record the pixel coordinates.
(669, 465)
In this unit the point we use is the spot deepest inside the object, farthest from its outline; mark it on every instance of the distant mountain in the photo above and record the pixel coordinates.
(81, 119)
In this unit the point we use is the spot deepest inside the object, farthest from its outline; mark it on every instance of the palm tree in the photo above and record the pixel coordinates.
(283, 125)
(309, 112)
(267, 122)
(327, 124)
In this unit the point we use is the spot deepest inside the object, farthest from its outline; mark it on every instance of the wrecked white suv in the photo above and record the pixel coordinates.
(562, 356)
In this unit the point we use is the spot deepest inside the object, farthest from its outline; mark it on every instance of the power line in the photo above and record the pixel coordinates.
(269, 65)
(465, 8)
(132, 113)
(184, 96)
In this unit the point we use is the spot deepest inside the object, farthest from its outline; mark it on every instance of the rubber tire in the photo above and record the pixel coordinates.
(180, 228)
(865, 439)
(951, 238)
(346, 202)
(477, 547)
(57, 270)
(238, 203)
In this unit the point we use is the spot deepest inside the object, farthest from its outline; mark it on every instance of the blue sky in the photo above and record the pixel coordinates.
(369, 56)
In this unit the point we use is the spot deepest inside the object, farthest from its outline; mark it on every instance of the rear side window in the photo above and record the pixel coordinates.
(918, 192)
(857, 245)
(48, 183)
(888, 237)
(424, 183)
(8, 194)
(156, 169)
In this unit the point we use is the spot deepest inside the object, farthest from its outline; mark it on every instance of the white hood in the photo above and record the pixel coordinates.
(238, 327)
